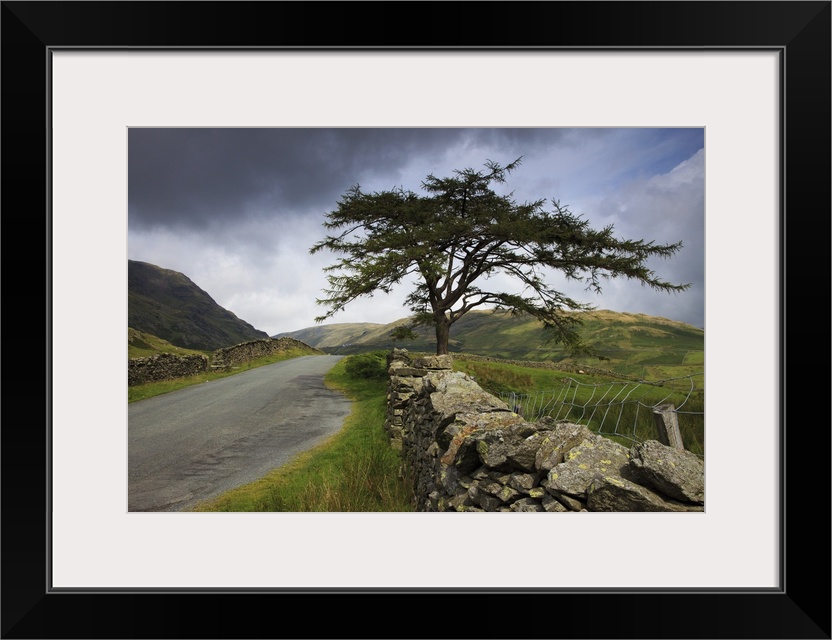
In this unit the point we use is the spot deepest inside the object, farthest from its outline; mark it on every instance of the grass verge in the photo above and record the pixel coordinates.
(356, 470)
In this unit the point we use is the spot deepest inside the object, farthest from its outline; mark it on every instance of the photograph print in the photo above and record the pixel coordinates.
(416, 319)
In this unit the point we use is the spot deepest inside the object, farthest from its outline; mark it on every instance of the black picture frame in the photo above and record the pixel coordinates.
(799, 31)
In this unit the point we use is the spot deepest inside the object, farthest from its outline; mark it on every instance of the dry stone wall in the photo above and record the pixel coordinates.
(464, 450)
(245, 351)
(167, 366)
(164, 366)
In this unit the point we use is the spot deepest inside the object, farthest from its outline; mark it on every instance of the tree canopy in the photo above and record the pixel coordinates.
(459, 235)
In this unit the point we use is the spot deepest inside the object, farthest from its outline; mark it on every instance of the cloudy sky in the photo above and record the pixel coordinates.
(236, 210)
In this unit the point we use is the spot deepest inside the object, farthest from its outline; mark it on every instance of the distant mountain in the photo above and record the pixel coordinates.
(629, 340)
(334, 336)
(169, 305)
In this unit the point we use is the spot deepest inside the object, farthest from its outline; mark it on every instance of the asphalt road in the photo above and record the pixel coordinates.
(196, 443)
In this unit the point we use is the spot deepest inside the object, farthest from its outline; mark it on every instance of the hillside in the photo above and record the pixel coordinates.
(141, 345)
(631, 342)
(167, 304)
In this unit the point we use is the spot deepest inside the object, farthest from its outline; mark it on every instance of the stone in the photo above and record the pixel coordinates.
(449, 482)
(454, 392)
(557, 441)
(164, 366)
(594, 456)
(569, 503)
(551, 505)
(508, 495)
(483, 499)
(522, 429)
(499, 476)
(492, 454)
(464, 451)
(402, 370)
(677, 473)
(460, 502)
(522, 482)
(433, 362)
(526, 505)
(610, 493)
(524, 453)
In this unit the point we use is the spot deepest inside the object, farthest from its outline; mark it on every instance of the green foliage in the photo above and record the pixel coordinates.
(459, 235)
(403, 332)
(371, 365)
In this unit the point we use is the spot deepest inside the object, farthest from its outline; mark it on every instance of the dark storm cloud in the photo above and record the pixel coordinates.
(191, 177)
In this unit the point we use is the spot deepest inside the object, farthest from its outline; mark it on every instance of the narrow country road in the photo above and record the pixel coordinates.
(196, 443)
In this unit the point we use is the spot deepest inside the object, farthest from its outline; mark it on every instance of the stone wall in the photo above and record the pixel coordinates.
(465, 450)
(246, 351)
(164, 366)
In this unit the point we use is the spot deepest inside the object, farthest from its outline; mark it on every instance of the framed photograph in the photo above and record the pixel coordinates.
(755, 76)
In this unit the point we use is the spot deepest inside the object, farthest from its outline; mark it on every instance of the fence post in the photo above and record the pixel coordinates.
(667, 423)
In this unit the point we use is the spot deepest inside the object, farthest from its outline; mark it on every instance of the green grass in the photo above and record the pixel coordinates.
(150, 389)
(501, 377)
(355, 470)
(614, 408)
(631, 422)
(142, 345)
(498, 379)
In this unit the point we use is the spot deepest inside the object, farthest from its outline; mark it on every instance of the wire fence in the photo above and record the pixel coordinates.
(628, 412)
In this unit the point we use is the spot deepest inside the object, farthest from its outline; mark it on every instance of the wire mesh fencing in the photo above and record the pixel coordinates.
(627, 412)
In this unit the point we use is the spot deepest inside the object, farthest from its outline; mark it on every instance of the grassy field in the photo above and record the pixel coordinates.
(614, 408)
(354, 471)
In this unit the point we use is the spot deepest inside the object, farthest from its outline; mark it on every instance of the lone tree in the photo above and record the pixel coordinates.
(459, 235)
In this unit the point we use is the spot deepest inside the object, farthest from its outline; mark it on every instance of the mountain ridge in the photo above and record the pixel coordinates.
(629, 339)
(169, 305)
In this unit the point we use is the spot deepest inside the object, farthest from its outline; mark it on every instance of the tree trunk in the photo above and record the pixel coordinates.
(443, 332)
